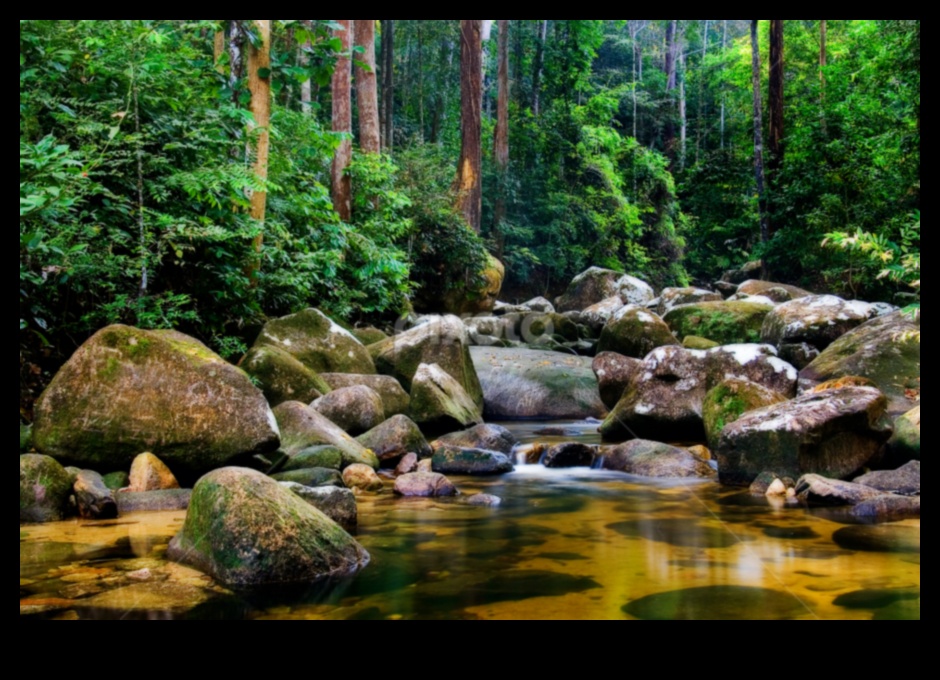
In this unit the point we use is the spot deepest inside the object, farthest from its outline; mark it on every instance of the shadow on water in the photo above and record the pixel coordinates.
(716, 603)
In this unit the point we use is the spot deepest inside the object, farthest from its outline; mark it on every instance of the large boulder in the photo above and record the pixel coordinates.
(244, 529)
(127, 390)
(655, 459)
(439, 403)
(313, 477)
(724, 321)
(355, 409)
(424, 484)
(673, 297)
(152, 501)
(303, 427)
(904, 444)
(614, 372)
(905, 480)
(484, 436)
(527, 384)
(588, 288)
(281, 376)
(886, 350)
(816, 320)
(394, 398)
(635, 331)
(597, 315)
(756, 363)
(634, 291)
(758, 287)
(442, 341)
(318, 342)
(728, 400)
(453, 460)
(832, 433)
(819, 489)
(397, 436)
(337, 503)
(45, 488)
(316, 456)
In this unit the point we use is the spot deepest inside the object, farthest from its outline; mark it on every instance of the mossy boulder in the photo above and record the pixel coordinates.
(614, 372)
(757, 363)
(885, 350)
(149, 473)
(597, 315)
(725, 321)
(536, 327)
(318, 342)
(728, 400)
(45, 488)
(355, 409)
(697, 342)
(527, 384)
(117, 480)
(832, 433)
(424, 484)
(453, 460)
(244, 529)
(394, 438)
(281, 376)
(439, 340)
(470, 300)
(369, 335)
(319, 456)
(673, 297)
(394, 398)
(26, 436)
(439, 403)
(634, 291)
(654, 459)
(635, 332)
(758, 287)
(484, 436)
(904, 444)
(588, 288)
(302, 427)
(93, 498)
(311, 477)
(127, 390)
(335, 502)
(817, 320)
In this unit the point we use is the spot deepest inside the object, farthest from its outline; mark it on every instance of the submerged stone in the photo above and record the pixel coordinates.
(879, 538)
(718, 603)
(655, 459)
(457, 461)
(424, 484)
(484, 436)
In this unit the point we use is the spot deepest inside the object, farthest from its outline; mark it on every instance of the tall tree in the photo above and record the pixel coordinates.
(388, 83)
(259, 84)
(672, 50)
(501, 135)
(775, 102)
(822, 57)
(537, 67)
(467, 184)
(758, 135)
(342, 121)
(366, 94)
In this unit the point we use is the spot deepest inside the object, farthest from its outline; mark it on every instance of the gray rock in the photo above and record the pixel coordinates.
(127, 390)
(319, 456)
(424, 484)
(758, 287)
(362, 477)
(451, 460)
(152, 501)
(485, 500)
(535, 384)
(394, 438)
(312, 477)
(588, 288)
(818, 489)
(831, 433)
(614, 373)
(673, 297)
(408, 463)
(905, 480)
(302, 427)
(335, 502)
(94, 499)
(817, 320)
(747, 271)
(655, 459)
(45, 488)
(887, 508)
(438, 401)
(886, 350)
(355, 409)
(904, 444)
(282, 376)
(483, 436)
(394, 398)
(227, 534)
(634, 332)
(597, 315)
(569, 454)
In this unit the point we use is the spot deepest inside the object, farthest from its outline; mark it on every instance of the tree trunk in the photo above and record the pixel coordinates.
(259, 64)
(758, 143)
(672, 44)
(388, 83)
(724, 41)
(304, 60)
(699, 123)
(467, 184)
(342, 121)
(775, 100)
(683, 126)
(537, 67)
(501, 136)
(822, 58)
(218, 49)
(366, 95)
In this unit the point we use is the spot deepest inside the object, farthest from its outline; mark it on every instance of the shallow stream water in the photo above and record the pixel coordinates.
(568, 544)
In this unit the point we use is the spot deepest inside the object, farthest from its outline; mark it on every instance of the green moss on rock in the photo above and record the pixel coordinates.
(724, 322)
(45, 488)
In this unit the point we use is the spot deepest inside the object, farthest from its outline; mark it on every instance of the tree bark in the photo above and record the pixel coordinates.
(672, 44)
(304, 60)
(724, 40)
(537, 67)
(342, 121)
(822, 57)
(218, 49)
(501, 135)
(758, 136)
(699, 123)
(775, 101)
(366, 94)
(467, 184)
(388, 83)
(683, 126)
(259, 84)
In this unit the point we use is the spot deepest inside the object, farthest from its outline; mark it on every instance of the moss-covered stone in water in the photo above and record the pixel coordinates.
(244, 529)
(45, 487)
(726, 402)
(116, 480)
(634, 332)
(725, 322)
(281, 376)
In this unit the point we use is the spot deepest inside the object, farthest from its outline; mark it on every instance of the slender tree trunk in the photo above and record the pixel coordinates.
(822, 58)
(758, 135)
(487, 78)
(775, 100)
(672, 44)
(141, 226)
(683, 123)
(259, 84)
(235, 63)
(366, 94)
(420, 81)
(388, 82)
(218, 49)
(467, 184)
(724, 41)
(342, 121)
(700, 120)
(501, 136)
(304, 60)
(537, 67)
